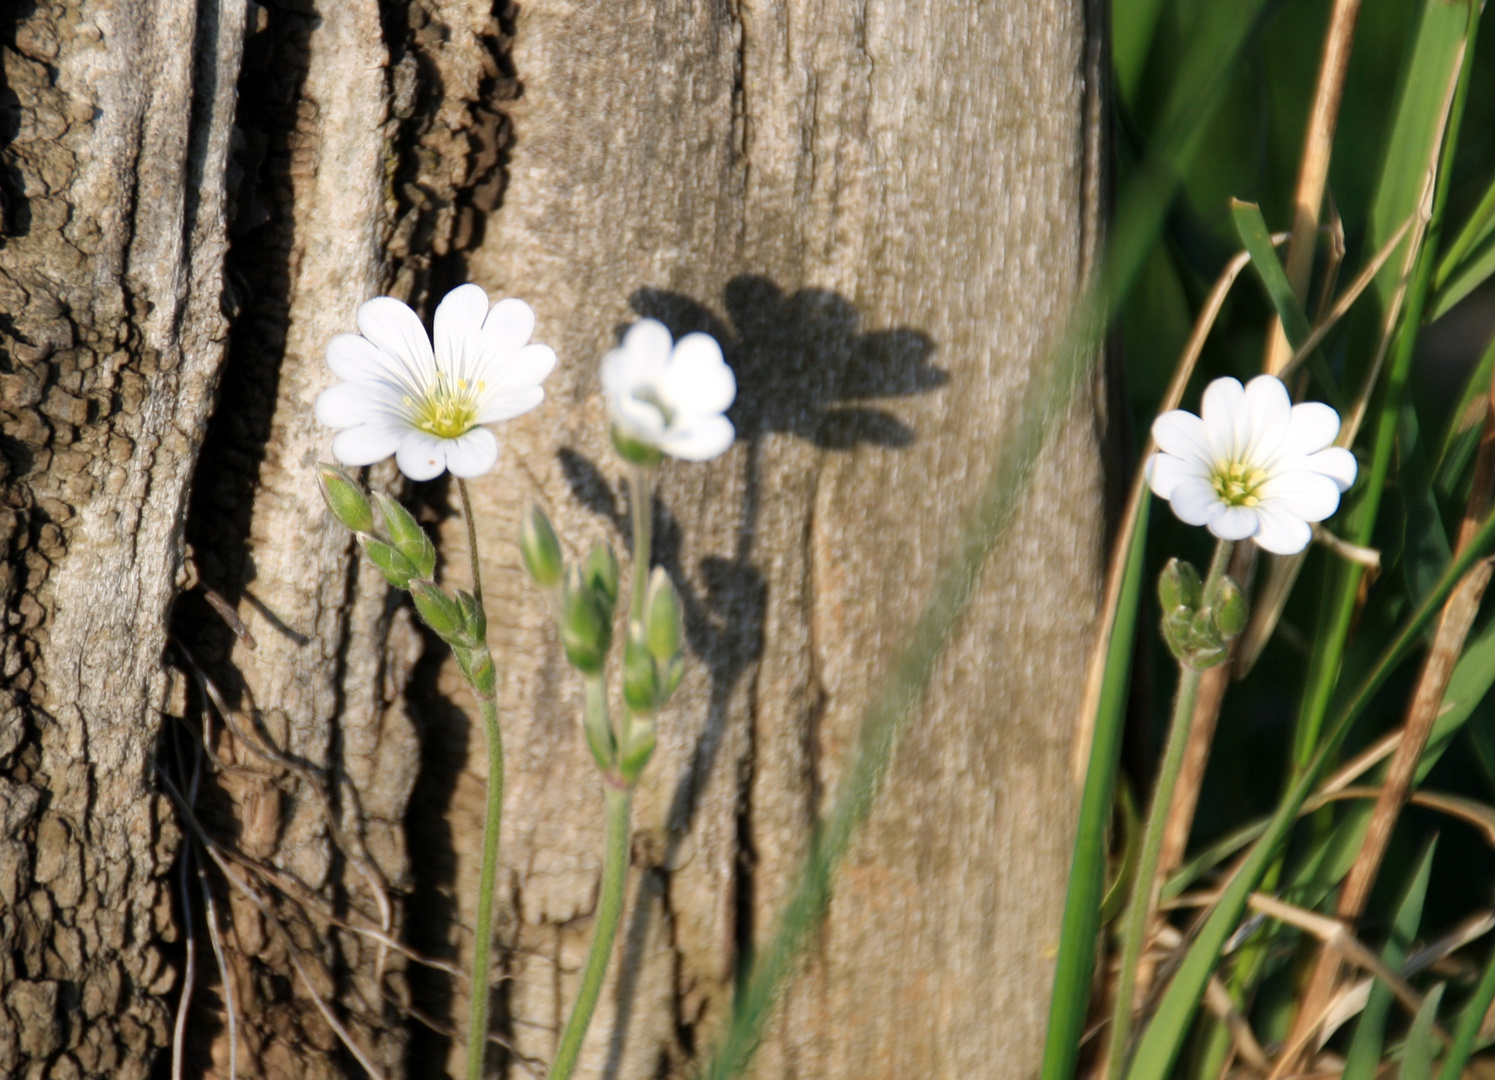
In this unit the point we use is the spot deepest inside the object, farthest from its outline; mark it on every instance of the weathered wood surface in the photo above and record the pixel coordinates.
(882, 212)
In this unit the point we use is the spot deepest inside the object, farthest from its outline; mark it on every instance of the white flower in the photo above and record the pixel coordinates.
(427, 407)
(1255, 465)
(669, 397)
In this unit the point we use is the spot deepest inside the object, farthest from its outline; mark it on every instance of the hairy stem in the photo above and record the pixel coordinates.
(609, 913)
(1143, 904)
(643, 521)
(482, 938)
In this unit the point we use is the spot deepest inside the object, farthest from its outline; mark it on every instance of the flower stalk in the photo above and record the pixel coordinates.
(1198, 621)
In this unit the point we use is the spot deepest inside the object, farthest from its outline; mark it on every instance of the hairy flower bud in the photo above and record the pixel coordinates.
(601, 574)
(397, 569)
(1231, 609)
(541, 549)
(662, 617)
(641, 684)
(1179, 586)
(407, 535)
(638, 749)
(586, 625)
(440, 612)
(345, 499)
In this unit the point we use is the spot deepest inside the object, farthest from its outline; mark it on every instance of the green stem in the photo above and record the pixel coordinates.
(643, 521)
(482, 944)
(609, 913)
(1139, 911)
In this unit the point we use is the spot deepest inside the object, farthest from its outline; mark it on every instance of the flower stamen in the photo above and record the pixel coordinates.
(1237, 483)
(444, 410)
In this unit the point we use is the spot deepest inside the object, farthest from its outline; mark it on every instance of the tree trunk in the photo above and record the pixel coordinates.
(882, 213)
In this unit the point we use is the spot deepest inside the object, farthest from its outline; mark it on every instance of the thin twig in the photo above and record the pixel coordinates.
(215, 936)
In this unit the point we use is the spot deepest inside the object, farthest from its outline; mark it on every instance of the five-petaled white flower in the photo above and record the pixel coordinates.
(1254, 465)
(670, 396)
(427, 407)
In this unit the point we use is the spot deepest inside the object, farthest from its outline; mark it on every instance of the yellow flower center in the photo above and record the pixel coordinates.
(1237, 484)
(448, 409)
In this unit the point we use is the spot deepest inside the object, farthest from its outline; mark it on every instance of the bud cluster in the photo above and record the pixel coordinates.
(1199, 628)
(404, 554)
(585, 597)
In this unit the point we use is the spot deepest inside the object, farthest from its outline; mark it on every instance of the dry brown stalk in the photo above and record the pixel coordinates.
(1427, 698)
(1313, 169)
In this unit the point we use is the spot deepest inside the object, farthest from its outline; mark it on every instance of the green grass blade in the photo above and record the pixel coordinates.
(1370, 1030)
(1468, 276)
(1423, 101)
(1087, 876)
(1464, 422)
(1422, 1040)
(1254, 234)
(1159, 1045)
(1467, 1031)
(1479, 228)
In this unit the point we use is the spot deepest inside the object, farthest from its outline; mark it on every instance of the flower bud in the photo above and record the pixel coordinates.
(541, 549)
(586, 627)
(662, 617)
(440, 612)
(345, 499)
(474, 618)
(638, 750)
(481, 674)
(601, 573)
(1231, 609)
(1179, 586)
(633, 450)
(640, 674)
(407, 535)
(397, 569)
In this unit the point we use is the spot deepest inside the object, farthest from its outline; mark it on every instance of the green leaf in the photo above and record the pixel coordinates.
(1087, 877)
(1370, 1030)
(1464, 422)
(1422, 1039)
(1470, 1021)
(1425, 547)
(1468, 276)
(1160, 1043)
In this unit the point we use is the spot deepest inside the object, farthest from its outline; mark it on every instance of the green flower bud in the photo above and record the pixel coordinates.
(440, 612)
(1231, 608)
(407, 535)
(541, 549)
(1179, 586)
(634, 450)
(586, 627)
(640, 674)
(594, 724)
(397, 569)
(601, 573)
(662, 617)
(638, 751)
(345, 499)
(481, 674)
(474, 618)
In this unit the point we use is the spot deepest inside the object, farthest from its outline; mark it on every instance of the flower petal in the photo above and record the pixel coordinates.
(458, 327)
(1236, 523)
(517, 371)
(1265, 418)
(472, 454)
(421, 456)
(1314, 426)
(698, 380)
(642, 358)
(397, 330)
(508, 326)
(1307, 495)
(640, 419)
(510, 404)
(1195, 502)
(348, 404)
(352, 357)
(1281, 533)
(1337, 463)
(1165, 472)
(704, 439)
(1224, 401)
(366, 444)
(1182, 434)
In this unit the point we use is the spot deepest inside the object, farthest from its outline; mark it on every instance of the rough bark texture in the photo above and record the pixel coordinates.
(880, 210)
(117, 123)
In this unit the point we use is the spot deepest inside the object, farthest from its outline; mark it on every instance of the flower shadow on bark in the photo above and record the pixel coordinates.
(805, 368)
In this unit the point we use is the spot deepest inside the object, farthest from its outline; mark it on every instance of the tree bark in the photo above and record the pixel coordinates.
(883, 213)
